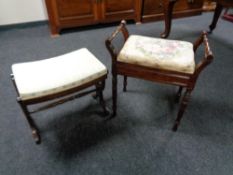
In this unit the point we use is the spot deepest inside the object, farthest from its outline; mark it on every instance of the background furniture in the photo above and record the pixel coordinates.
(49, 79)
(154, 9)
(73, 13)
(158, 60)
(228, 15)
(168, 12)
(218, 10)
(65, 14)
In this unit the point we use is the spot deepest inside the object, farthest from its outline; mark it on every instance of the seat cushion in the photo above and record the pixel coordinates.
(53, 75)
(158, 53)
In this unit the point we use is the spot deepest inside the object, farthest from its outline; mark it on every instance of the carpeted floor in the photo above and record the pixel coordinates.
(139, 141)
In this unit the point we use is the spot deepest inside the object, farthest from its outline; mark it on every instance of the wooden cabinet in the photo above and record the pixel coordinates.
(113, 10)
(72, 13)
(153, 9)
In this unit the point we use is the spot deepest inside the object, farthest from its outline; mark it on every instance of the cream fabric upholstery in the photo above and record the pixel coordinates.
(158, 53)
(44, 77)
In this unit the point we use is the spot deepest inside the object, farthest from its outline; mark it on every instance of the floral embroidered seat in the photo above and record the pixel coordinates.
(55, 78)
(158, 60)
(158, 53)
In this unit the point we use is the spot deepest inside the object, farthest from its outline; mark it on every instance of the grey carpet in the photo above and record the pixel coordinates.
(76, 140)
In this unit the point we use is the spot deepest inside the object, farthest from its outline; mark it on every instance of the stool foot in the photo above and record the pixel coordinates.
(182, 108)
(36, 136)
(94, 95)
(175, 126)
(35, 131)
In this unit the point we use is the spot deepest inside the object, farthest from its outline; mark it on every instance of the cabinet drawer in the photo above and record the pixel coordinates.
(188, 4)
(152, 7)
(75, 8)
(120, 9)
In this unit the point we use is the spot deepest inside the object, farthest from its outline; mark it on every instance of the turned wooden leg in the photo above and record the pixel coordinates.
(35, 131)
(114, 94)
(183, 106)
(168, 9)
(94, 95)
(217, 13)
(100, 88)
(178, 95)
(125, 83)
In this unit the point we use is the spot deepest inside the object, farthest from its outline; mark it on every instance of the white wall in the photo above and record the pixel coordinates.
(21, 11)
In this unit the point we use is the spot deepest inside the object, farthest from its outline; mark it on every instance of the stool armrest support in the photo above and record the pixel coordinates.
(208, 57)
(121, 28)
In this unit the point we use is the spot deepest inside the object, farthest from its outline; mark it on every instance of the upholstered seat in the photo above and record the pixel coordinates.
(58, 78)
(157, 60)
(158, 53)
(53, 75)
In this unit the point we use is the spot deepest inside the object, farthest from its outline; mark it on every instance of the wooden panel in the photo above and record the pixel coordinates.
(72, 13)
(118, 5)
(188, 5)
(113, 10)
(153, 9)
(72, 8)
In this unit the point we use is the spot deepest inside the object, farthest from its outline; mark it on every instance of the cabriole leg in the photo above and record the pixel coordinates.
(217, 13)
(168, 9)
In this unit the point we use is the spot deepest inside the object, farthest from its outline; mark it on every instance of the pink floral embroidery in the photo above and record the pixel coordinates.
(163, 49)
